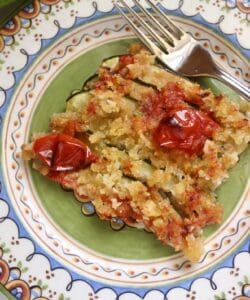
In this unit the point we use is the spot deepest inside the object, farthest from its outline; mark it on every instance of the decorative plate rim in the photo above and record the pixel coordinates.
(93, 286)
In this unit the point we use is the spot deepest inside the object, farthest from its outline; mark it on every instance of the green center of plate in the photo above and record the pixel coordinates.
(65, 210)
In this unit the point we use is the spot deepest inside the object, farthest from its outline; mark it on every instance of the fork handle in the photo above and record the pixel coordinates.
(234, 83)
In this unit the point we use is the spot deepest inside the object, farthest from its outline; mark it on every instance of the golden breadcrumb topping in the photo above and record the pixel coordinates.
(161, 145)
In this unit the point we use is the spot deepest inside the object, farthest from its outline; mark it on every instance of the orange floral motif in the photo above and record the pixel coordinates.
(23, 14)
(14, 29)
(31, 14)
(243, 7)
(245, 293)
(21, 285)
(1, 43)
(50, 2)
(4, 276)
(11, 285)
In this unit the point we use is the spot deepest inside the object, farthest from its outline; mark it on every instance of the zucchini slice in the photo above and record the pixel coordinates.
(77, 101)
(144, 170)
(90, 82)
(110, 63)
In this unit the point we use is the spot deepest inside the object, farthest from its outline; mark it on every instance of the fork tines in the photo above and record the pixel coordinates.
(149, 28)
(173, 47)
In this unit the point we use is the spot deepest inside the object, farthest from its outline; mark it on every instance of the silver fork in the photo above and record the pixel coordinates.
(175, 48)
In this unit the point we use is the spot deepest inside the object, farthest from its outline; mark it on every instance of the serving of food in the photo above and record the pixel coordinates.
(145, 146)
(119, 178)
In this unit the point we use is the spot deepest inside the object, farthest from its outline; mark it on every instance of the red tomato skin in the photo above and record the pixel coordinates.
(44, 148)
(186, 129)
(68, 157)
(61, 152)
(125, 60)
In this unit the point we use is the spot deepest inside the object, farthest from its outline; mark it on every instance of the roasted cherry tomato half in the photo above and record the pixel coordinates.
(61, 152)
(186, 129)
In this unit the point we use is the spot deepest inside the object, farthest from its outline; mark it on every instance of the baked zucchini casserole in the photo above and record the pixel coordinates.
(145, 146)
